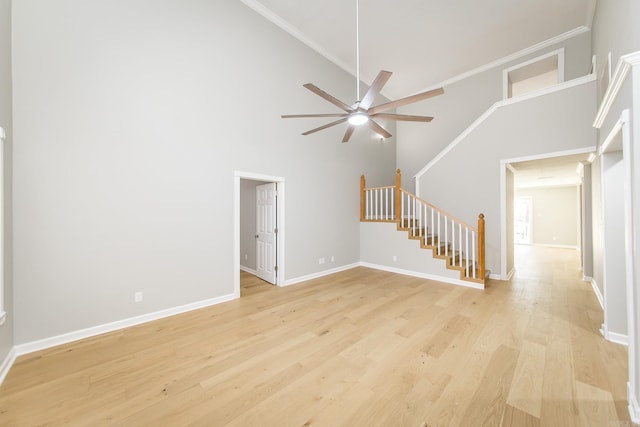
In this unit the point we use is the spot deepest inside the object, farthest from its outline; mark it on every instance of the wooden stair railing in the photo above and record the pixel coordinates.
(458, 243)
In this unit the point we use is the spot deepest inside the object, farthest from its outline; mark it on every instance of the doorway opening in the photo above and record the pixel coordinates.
(522, 220)
(259, 227)
(538, 73)
(540, 203)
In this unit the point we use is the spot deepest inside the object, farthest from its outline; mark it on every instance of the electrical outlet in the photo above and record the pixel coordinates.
(137, 297)
(321, 261)
(333, 258)
(395, 258)
(245, 257)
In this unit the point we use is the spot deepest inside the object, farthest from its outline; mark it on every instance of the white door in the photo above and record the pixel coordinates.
(266, 231)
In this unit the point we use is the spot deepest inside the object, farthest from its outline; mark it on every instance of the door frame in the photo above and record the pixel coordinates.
(237, 176)
(622, 127)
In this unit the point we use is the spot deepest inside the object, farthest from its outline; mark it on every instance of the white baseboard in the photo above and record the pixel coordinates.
(511, 273)
(424, 275)
(499, 276)
(248, 270)
(596, 290)
(7, 363)
(551, 245)
(117, 325)
(383, 268)
(634, 408)
(319, 274)
(614, 336)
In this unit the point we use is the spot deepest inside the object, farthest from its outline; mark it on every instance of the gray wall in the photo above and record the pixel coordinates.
(464, 101)
(555, 215)
(6, 330)
(551, 123)
(616, 30)
(130, 119)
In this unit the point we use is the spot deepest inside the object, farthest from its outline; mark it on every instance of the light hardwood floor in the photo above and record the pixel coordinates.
(357, 348)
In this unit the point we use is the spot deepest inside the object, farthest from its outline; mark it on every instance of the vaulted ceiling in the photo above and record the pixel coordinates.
(424, 42)
(428, 42)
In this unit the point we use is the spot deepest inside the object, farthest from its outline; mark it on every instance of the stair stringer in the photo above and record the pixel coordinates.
(380, 242)
(446, 255)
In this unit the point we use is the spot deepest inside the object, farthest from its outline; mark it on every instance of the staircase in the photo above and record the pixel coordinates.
(458, 244)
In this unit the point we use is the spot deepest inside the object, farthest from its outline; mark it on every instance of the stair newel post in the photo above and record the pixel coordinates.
(363, 198)
(397, 197)
(481, 268)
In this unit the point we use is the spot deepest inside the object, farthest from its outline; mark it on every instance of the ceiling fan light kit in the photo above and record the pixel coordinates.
(357, 119)
(362, 112)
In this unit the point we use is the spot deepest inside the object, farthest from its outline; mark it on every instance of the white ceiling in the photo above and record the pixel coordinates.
(550, 172)
(424, 42)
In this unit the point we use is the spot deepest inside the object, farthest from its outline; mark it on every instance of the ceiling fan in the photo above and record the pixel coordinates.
(362, 112)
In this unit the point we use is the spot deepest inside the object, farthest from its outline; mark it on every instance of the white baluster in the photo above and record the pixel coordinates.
(466, 256)
(366, 204)
(386, 203)
(389, 197)
(374, 194)
(426, 223)
(413, 216)
(453, 242)
(446, 235)
(419, 215)
(433, 229)
(439, 240)
(460, 243)
(401, 207)
(393, 204)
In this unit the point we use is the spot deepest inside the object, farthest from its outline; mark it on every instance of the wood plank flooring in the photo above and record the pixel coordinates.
(357, 348)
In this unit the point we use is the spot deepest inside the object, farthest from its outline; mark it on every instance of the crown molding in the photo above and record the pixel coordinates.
(624, 66)
(296, 33)
(513, 57)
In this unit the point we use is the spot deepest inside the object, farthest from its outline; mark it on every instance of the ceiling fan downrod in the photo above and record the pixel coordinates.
(358, 117)
(358, 52)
